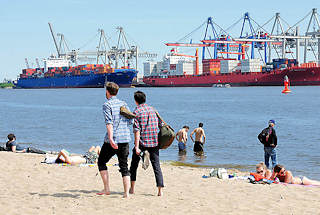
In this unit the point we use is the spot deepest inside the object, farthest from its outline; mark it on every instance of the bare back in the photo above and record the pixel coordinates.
(182, 135)
(199, 134)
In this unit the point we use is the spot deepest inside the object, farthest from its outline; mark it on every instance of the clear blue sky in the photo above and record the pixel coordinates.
(24, 30)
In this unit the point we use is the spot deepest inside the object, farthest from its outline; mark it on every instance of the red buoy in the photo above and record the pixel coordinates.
(286, 85)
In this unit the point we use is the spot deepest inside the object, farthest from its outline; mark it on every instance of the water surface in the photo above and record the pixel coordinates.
(52, 119)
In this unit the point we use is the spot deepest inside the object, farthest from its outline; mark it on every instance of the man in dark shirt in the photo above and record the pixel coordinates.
(268, 138)
(13, 146)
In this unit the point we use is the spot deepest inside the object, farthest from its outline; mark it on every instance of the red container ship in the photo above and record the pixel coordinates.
(305, 74)
(243, 61)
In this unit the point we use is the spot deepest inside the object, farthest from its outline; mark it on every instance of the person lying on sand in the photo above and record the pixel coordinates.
(89, 157)
(11, 145)
(286, 176)
(262, 170)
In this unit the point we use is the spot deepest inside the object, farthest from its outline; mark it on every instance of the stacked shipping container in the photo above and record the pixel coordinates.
(250, 65)
(211, 66)
(228, 66)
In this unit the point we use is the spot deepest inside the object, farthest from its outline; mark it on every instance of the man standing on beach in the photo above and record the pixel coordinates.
(269, 139)
(198, 144)
(182, 137)
(116, 140)
(145, 128)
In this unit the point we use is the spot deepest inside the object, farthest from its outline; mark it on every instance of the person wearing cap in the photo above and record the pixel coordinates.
(268, 138)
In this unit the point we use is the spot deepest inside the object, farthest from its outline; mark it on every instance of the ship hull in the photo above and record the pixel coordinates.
(298, 77)
(122, 77)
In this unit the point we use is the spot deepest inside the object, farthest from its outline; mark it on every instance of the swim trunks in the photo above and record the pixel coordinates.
(91, 157)
(198, 146)
(181, 146)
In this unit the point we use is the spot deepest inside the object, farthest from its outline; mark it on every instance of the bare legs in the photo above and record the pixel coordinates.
(131, 191)
(105, 179)
(307, 181)
(160, 193)
(96, 149)
(126, 183)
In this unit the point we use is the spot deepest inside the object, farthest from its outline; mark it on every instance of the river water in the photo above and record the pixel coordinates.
(52, 119)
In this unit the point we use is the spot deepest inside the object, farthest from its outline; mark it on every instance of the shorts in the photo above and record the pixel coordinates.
(91, 157)
(198, 146)
(181, 146)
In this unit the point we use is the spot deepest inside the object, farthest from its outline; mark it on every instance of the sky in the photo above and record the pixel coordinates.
(24, 31)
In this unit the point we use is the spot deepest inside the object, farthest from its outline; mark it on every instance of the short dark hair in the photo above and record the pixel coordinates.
(140, 97)
(201, 124)
(186, 126)
(11, 137)
(277, 168)
(112, 88)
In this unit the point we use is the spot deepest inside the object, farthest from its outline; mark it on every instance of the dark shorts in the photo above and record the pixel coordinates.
(198, 146)
(107, 152)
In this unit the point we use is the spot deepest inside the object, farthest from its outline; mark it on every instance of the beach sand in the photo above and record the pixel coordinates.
(30, 187)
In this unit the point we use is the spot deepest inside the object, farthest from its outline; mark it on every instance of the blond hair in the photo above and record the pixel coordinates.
(261, 164)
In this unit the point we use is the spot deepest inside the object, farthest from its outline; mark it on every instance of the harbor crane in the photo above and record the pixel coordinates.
(120, 55)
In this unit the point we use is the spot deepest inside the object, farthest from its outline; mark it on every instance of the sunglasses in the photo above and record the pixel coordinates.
(282, 172)
(261, 171)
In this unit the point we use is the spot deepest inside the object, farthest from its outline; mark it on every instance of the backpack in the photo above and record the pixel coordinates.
(263, 135)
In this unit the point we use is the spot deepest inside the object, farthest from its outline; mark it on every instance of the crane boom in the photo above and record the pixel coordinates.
(54, 39)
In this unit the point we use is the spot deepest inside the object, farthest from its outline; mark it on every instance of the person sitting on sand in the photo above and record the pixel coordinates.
(262, 170)
(89, 157)
(280, 172)
(11, 145)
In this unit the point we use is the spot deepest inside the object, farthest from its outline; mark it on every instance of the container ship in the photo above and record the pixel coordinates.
(255, 58)
(117, 64)
(230, 72)
(60, 75)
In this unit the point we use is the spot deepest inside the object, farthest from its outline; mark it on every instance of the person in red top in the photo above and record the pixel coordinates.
(146, 127)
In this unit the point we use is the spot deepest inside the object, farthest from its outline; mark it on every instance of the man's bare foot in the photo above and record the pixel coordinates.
(103, 193)
(131, 190)
(126, 195)
(160, 193)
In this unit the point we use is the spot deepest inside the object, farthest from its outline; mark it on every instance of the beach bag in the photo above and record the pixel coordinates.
(3, 148)
(166, 134)
(34, 150)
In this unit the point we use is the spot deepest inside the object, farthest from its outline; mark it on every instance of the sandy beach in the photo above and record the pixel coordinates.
(31, 187)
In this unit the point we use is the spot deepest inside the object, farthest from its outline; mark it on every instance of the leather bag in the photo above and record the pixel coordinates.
(166, 134)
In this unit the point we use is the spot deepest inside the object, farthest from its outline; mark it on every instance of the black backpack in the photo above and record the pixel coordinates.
(3, 147)
(263, 135)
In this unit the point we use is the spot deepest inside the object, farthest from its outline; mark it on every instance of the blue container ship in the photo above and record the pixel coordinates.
(117, 64)
(91, 79)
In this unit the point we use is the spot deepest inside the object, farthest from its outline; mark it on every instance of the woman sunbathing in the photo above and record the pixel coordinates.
(262, 170)
(89, 157)
(286, 176)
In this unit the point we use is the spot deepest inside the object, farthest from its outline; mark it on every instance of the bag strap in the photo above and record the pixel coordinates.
(160, 118)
